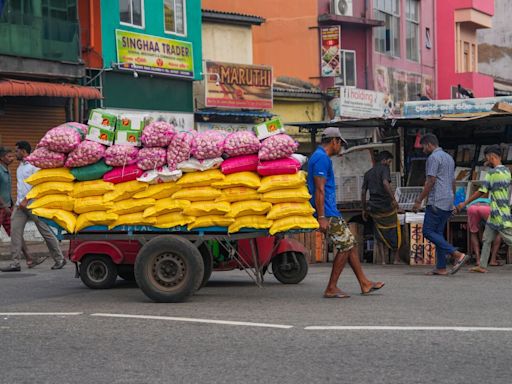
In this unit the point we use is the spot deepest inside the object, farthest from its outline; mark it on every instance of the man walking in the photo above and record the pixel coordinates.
(6, 158)
(21, 214)
(383, 208)
(497, 184)
(439, 187)
(323, 190)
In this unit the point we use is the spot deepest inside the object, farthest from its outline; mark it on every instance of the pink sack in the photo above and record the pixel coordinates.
(179, 149)
(120, 155)
(279, 167)
(44, 158)
(277, 147)
(241, 143)
(157, 134)
(151, 158)
(63, 138)
(208, 145)
(87, 152)
(122, 174)
(247, 163)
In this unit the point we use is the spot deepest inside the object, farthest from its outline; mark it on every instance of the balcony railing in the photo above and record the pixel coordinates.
(36, 37)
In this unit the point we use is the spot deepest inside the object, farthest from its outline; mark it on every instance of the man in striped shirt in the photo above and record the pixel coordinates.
(497, 184)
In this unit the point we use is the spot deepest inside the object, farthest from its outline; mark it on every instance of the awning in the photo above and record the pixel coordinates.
(12, 87)
(261, 114)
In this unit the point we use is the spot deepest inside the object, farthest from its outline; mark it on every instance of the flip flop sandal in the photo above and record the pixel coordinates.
(435, 273)
(34, 263)
(339, 295)
(373, 289)
(458, 265)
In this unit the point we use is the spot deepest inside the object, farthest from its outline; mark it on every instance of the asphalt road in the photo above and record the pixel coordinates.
(445, 330)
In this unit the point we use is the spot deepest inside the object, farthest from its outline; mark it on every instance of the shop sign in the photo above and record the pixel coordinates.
(244, 86)
(361, 103)
(330, 56)
(451, 107)
(228, 127)
(156, 55)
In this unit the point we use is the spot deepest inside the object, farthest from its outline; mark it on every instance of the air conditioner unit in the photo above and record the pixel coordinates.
(342, 7)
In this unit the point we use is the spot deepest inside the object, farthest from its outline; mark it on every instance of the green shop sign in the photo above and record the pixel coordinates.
(152, 54)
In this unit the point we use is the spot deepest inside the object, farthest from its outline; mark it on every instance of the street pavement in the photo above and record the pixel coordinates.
(445, 330)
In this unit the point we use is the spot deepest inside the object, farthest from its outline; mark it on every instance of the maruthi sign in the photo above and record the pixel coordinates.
(152, 54)
(240, 86)
(361, 103)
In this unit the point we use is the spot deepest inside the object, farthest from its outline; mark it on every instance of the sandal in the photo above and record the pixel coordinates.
(374, 287)
(34, 263)
(435, 272)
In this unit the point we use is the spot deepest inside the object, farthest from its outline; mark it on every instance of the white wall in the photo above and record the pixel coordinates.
(228, 43)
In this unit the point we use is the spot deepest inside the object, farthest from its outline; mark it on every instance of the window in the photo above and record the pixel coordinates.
(132, 12)
(413, 29)
(174, 16)
(348, 76)
(467, 64)
(387, 38)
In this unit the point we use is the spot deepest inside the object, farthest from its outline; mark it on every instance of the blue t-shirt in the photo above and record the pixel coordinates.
(321, 165)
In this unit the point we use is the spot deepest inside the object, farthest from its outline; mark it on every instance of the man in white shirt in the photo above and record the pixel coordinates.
(21, 214)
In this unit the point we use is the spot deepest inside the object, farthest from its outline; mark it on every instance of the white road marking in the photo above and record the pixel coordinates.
(41, 313)
(405, 328)
(193, 320)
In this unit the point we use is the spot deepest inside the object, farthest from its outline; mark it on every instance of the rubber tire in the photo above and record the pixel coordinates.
(290, 277)
(110, 268)
(178, 246)
(126, 272)
(207, 256)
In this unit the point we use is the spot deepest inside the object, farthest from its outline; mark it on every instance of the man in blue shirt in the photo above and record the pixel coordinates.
(323, 191)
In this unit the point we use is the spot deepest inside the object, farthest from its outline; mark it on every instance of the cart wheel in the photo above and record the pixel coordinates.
(290, 267)
(98, 272)
(206, 253)
(126, 272)
(168, 269)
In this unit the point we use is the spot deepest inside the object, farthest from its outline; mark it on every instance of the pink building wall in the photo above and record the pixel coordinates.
(481, 85)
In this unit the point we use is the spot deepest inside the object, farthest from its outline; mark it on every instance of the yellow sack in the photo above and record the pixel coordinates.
(63, 202)
(211, 221)
(92, 188)
(164, 206)
(197, 194)
(50, 175)
(92, 203)
(238, 194)
(171, 220)
(50, 188)
(158, 191)
(200, 179)
(132, 206)
(293, 222)
(123, 191)
(251, 207)
(239, 179)
(297, 195)
(271, 183)
(65, 219)
(90, 219)
(279, 211)
(133, 219)
(205, 208)
(253, 222)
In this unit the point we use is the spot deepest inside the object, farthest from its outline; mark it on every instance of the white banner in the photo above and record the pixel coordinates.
(361, 103)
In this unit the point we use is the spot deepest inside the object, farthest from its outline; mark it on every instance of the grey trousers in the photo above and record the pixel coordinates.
(488, 238)
(19, 219)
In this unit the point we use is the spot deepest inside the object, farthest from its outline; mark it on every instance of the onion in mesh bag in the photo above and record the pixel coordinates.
(151, 158)
(179, 149)
(87, 152)
(63, 138)
(158, 134)
(44, 158)
(277, 147)
(241, 143)
(208, 145)
(119, 155)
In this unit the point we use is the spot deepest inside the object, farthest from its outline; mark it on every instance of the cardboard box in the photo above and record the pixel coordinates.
(126, 137)
(269, 128)
(423, 252)
(101, 119)
(100, 135)
(129, 122)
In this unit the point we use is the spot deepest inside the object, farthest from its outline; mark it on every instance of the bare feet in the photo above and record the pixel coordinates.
(336, 294)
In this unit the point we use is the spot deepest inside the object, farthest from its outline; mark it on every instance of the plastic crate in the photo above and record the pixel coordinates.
(406, 196)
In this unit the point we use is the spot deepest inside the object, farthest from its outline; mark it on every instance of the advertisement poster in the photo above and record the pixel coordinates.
(452, 107)
(330, 56)
(152, 54)
(229, 85)
(361, 103)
